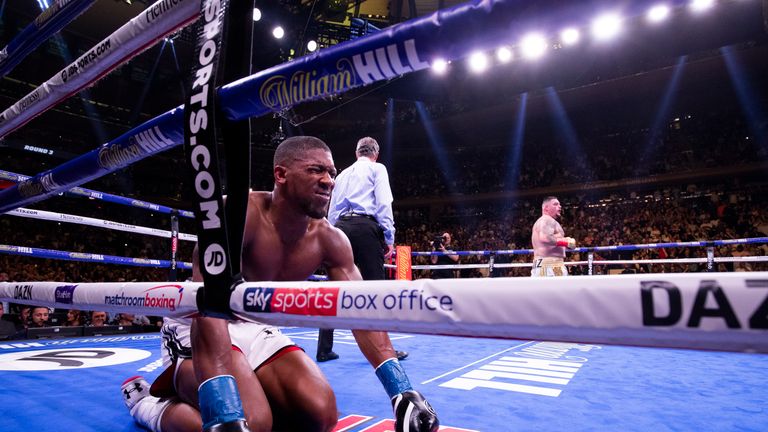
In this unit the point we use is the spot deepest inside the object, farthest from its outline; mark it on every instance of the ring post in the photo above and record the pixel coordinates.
(710, 259)
(491, 262)
(403, 259)
(172, 275)
(223, 40)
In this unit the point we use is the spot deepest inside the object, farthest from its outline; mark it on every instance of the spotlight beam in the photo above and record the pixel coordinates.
(662, 113)
(516, 149)
(437, 144)
(750, 104)
(389, 138)
(565, 130)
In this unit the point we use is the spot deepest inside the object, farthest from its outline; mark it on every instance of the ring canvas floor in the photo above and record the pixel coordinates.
(474, 384)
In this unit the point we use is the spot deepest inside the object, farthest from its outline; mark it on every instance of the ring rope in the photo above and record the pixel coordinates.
(48, 23)
(716, 311)
(138, 34)
(106, 197)
(88, 257)
(100, 223)
(630, 247)
(595, 262)
(450, 34)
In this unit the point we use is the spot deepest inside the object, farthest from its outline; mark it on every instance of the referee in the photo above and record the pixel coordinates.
(361, 206)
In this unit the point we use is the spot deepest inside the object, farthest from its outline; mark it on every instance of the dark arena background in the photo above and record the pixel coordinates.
(649, 122)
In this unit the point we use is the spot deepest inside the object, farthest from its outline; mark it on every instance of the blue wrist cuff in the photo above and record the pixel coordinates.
(220, 401)
(393, 377)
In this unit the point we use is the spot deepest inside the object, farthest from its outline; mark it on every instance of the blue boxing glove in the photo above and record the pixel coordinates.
(413, 413)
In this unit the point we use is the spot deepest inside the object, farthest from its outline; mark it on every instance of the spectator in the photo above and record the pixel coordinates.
(7, 329)
(98, 319)
(39, 316)
(22, 320)
(75, 318)
(443, 243)
(125, 319)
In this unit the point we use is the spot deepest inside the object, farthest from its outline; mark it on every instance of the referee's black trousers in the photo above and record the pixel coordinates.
(367, 239)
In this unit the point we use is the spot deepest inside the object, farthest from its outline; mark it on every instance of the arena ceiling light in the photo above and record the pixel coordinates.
(658, 13)
(312, 46)
(533, 46)
(256, 14)
(278, 32)
(504, 54)
(570, 36)
(439, 66)
(606, 26)
(478, 62)
(701, 5)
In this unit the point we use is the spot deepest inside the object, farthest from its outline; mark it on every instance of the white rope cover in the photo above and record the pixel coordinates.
(101, 223)
(716, 311)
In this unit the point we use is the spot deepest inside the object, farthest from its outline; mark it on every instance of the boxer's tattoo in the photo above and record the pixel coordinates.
(549, 229)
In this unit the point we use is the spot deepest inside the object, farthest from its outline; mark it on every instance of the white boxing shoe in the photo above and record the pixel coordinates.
(145, 409)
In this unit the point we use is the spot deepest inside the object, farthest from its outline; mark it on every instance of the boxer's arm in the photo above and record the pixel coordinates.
(549, 234)
(210, 339)
(339, 260)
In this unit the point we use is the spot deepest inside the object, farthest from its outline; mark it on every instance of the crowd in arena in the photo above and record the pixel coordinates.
(660, 216)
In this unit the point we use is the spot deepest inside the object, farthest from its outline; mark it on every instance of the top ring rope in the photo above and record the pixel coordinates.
(631, 247)
(717, 311)
(448, 34)
(100, 223)
(106, 197)
(158, 20)
(48, 23)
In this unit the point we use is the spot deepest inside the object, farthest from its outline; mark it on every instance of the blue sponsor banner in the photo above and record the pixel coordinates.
(64, 293)
(448, 34)
(89, 257)
(258, 299)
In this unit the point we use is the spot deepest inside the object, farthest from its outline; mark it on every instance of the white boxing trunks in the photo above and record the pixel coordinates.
(258, 342)
(548, 266)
